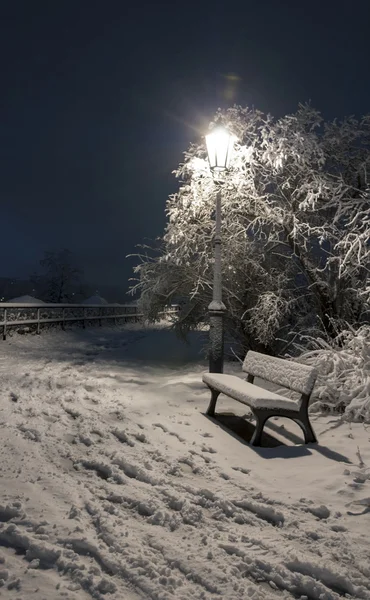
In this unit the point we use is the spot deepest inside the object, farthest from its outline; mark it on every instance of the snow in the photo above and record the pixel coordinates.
(297, 377)
(27, 300)
(216, 306)
(95, 300)
(116, 485)
(249, 394)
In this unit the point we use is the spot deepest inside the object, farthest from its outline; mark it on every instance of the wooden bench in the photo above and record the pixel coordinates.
(264, 403)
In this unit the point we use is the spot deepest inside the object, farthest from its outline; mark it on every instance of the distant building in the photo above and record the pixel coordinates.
(95, 300)
(26, 300)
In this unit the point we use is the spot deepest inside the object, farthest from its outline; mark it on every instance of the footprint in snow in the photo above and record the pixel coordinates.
(72, 412)
(10, 511)
(89, 388)
(242, 470)
(141, 437)
(122, 437)
(102, 470)
(165, 430)
(209, 449)
(90, 438)
(30, 433)
(364, 502)
(91, 401)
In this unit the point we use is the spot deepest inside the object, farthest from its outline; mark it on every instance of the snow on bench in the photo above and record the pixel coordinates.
(264, 403)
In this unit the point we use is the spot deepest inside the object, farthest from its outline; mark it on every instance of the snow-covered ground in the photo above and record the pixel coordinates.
(115, 485)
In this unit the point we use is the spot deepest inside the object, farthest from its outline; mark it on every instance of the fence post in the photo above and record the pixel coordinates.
(84, 318)
(63, 321)
(38, 322)
(100, 313)
(4, 326)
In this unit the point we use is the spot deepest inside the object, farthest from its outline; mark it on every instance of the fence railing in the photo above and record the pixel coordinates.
(22, 315)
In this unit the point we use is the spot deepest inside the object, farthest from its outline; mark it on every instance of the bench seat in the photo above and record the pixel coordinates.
(266, 404)
(248, 393)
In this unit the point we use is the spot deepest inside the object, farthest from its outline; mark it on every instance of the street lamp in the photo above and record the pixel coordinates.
(220, 145)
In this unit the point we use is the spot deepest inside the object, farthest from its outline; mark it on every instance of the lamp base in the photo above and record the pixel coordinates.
(216, 338)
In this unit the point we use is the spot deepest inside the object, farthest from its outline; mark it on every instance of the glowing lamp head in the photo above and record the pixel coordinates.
(220, 145)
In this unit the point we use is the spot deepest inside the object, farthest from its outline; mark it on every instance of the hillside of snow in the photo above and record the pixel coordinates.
(116, 486)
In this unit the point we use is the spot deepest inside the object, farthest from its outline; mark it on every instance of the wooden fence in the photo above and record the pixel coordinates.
(22, 315)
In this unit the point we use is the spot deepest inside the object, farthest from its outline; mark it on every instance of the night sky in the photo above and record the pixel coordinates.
(100, 98)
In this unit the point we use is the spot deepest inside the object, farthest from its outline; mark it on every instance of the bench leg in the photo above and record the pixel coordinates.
(260, 423)
(212, 404)
(305, 425)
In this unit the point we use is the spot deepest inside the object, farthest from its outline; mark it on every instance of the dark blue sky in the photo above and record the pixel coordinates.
(100, 98)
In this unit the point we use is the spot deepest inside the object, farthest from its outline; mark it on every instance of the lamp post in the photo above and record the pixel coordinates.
(219, 146)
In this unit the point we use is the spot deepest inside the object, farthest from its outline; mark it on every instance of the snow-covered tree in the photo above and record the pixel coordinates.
(59, 278)
(295, 229)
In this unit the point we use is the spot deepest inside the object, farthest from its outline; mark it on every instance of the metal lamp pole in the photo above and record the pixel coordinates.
(219, 146)
(216, 308)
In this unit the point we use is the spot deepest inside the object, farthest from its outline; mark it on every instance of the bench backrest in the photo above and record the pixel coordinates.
(292, 375)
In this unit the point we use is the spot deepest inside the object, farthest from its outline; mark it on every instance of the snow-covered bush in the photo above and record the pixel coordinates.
(343, 364)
